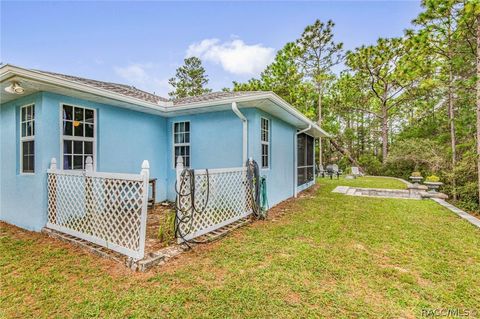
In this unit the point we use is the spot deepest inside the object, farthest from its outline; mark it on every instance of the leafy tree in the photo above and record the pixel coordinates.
(392, 69)
(190, 79)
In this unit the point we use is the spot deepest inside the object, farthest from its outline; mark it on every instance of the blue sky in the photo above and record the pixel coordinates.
(142, 43)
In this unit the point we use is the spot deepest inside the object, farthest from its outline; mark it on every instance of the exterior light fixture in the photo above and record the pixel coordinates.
(14, 88)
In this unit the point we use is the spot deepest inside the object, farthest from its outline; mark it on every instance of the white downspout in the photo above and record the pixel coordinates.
(303, 131)
(295, 181)
(245, 132)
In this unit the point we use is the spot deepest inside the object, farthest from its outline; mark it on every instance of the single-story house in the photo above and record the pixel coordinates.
(45, 115)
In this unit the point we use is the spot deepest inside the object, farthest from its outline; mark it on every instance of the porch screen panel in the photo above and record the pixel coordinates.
(305, 161)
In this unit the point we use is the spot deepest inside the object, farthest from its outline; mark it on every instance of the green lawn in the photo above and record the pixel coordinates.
(329, 256)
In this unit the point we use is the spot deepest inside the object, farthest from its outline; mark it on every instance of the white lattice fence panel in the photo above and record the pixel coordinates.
(229, 199)
(105, 208)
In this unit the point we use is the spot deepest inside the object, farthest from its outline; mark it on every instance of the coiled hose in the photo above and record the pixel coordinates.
(258, 185)
(185, 215)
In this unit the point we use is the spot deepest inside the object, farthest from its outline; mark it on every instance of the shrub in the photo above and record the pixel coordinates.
(415, 155)
(416, 174)
(371, 164)
(433, 179)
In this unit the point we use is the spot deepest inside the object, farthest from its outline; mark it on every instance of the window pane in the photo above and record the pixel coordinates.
(78, 128)
(78, 116)
(179, 138)
(29, 113)
(67, 112)
(177, 152)
(77, 162)
(88, 148)
(24, 129)
(77, 147)
(175, 127)
(187, 150)
(24, 113)
(29, 129)
(88, 116)
(88, 130)
(67, 128)
(25, 148)
(67, 147)
(28, 158)
(187, 126)
(67, 162)
(187, 137)
(187, 161)
(33, 127)
(25, 168)
(33, 112)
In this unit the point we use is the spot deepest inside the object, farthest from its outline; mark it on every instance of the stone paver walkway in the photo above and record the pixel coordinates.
(475, 221)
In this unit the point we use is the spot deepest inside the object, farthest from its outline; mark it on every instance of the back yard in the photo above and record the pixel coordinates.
(324, 255)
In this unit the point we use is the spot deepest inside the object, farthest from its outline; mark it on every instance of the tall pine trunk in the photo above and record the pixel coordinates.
(453, 139)
(478, 103)
(451, 110)
(320, 146)
(384, 133)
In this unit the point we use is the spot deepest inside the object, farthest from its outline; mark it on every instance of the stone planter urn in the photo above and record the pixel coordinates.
(433, 186)
(416, 179)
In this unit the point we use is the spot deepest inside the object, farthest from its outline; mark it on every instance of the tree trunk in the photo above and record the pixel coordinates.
(451, 111)
(384, 133)
(346, 154)
(320, 146)
(453, 139)
(478, 104)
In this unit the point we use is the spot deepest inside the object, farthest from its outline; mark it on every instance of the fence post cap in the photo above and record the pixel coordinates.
(179, 159)
(53, 163)
(145, 164)
(89, 164)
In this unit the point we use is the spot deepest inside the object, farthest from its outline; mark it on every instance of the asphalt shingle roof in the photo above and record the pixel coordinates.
(122, 89)
(131, 91)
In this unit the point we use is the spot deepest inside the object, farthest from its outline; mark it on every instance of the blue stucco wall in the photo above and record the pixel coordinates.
(124, 139)
(22, 199)
(216, 142)
(281, 174)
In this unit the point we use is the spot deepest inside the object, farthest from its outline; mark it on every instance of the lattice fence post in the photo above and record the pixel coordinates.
(52, 192)
(145, 173)
(89, 199)
(178, 170)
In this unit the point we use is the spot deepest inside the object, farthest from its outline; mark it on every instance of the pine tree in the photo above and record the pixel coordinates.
(190, 79)
(318, 54)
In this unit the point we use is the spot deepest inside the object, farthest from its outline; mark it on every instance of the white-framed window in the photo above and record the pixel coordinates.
(265, 142)
(78, 136)
(181, 142)
(27, 139)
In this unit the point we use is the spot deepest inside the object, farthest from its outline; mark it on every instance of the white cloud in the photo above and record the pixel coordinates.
(133, 72)
(141, 75)
(234, 56)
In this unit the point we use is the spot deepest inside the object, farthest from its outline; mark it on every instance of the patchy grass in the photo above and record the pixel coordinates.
(329, 255)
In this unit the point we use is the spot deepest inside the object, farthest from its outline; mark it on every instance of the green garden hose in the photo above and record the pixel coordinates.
(263, 197)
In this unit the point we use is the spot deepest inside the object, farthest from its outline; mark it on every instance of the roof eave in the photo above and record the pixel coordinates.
(7, 71)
